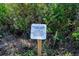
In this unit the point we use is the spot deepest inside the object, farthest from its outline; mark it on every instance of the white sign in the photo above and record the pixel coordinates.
(38, 31)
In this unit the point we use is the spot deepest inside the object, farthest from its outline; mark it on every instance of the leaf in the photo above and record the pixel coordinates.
(56, 35)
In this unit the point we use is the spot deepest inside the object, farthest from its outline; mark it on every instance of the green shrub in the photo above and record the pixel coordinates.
(26, 53)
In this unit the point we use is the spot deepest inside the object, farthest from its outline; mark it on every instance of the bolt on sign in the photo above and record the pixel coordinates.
(38, 32)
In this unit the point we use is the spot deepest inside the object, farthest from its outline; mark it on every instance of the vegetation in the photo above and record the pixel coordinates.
(62, 22)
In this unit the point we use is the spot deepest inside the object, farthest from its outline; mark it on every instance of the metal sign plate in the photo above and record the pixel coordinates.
(38, 31)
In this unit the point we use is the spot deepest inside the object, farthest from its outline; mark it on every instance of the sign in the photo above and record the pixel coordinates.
(38, 31)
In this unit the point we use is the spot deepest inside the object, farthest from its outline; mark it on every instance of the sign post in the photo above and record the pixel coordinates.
(38, 32)
(39, 47)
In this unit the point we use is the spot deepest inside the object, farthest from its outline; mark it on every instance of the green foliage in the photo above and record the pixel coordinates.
(2, 14)
(75, 34)
(26, 53)
(20, 24)
(58, 36)
(68, 54)
(57, 17)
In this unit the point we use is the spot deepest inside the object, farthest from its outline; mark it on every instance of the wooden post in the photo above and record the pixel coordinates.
(39, 47)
